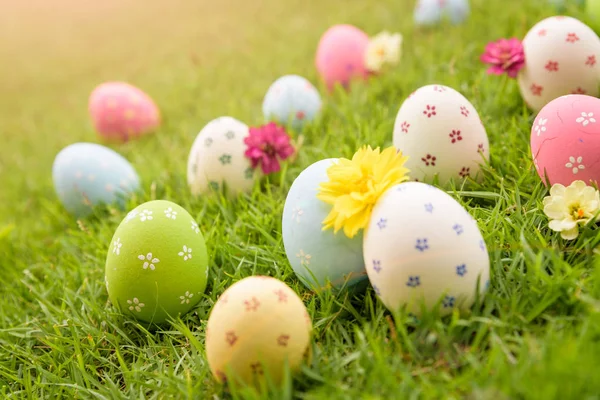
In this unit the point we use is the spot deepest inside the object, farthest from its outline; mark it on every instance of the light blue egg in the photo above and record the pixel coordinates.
(561, 4)
(318, 257)
(292, 100)
(431, 12)
(88, 174)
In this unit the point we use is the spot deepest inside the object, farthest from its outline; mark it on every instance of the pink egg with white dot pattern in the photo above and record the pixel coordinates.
(561, 57)
(565, 140)
(442, 135)
(120, 111)
(341, 55)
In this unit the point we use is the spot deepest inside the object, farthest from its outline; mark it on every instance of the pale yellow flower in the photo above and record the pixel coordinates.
(385, 48)
(355, 185)
(571, 206)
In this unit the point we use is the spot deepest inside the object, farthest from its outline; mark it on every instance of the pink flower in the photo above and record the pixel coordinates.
(266, 146)
(504, 56)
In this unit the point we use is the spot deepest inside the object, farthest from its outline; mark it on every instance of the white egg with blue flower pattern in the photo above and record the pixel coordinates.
(88, 174)
(292, 100)
(318, 257)
(422, 248)
(217, 159)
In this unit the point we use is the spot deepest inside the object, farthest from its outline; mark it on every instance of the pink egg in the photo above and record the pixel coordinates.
(341, 55)
(120, 111)
(565, 140)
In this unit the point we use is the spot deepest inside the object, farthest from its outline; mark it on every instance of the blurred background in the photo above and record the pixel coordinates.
(198, 59)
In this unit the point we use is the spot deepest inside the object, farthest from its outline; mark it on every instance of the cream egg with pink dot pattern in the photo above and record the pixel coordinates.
(256, 327)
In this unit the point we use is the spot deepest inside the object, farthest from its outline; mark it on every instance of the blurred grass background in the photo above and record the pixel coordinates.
(198, 59)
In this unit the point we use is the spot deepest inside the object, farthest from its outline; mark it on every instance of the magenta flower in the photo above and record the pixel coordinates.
(266, 146)
(504, 56)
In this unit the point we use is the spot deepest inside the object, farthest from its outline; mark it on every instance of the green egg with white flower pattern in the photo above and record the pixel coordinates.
(157, 264)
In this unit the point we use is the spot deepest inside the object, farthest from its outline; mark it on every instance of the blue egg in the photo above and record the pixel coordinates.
(291, 100)
(561, 4)
(88, 174)
(431, 12)
(318, 257)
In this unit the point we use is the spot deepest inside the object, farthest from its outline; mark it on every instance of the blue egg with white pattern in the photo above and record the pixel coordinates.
(431, 12)
(292, 101)
(319, 258)
(424, 251)
(87, 174)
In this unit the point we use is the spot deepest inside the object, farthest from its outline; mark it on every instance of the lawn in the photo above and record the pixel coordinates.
(536, 335)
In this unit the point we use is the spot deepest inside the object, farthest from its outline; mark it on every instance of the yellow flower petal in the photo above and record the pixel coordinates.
(355, 185)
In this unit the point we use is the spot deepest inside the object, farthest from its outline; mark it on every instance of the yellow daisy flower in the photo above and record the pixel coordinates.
(355, 185)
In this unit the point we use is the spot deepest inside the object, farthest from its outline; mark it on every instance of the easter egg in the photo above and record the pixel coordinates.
(291, 100)
(87, 174)
(217, 159)
(565, 140)
(442, 135)
(561, 57)
(157, 264)
(422, 248)
(431, 12)
(561, 4)
(341, 55)
(121, 111)
(318, 257)
(257, 327)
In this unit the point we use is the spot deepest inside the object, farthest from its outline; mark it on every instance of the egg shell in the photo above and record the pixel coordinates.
(561, 57)
(318, 257)
(565, 140)
(87, 174)
(256, 326)
(121, 111)
(157, 263)
(341, 55)
(291, 100)
(431, 12)
(422, 247)
(217, 159)
(441, 133)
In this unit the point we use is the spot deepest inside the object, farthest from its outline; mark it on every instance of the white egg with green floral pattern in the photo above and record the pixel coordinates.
(157, 263)
(423, 250)
(217, 161)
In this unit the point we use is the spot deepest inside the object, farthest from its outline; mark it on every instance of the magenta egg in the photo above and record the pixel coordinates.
(121, 111)
(341, 55)
(565, 140)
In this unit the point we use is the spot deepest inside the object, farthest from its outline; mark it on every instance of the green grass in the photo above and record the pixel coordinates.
(536, 334)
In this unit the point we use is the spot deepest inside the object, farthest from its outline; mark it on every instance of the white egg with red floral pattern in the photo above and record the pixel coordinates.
(217, 159)
(561, 57)
(422, 248)
(441, 133)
